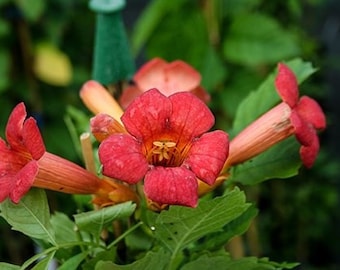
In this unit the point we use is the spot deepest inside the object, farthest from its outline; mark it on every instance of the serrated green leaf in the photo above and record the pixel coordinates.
(238, 226)
(266, 97)
(152, 260)
(107, 255)
(30, 216)
(44, 263)
(226, 263)
(95, 221)
(179, 226)
(280, 161)
(64, 228)
(249, 44)
(8, 266)
(207, 262)
(253, 263)
(73, 262)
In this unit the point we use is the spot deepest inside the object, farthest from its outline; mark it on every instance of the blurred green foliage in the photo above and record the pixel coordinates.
(233, 43)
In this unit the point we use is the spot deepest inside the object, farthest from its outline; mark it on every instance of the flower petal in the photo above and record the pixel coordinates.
(32, 139)
(122, 158)
(309, 153)
(304, 132)
(179, 76)
(311, 112)
(14, 127)
(11, 161)
(190, 117)
(5, 186)
(208, 155)
(151, 75)
(103, 125)
(201, 94)
(286, 85)
(23, 181)
(129, 94)
(148, 116)
(174, 186)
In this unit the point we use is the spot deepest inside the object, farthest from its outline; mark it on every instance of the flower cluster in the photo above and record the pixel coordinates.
(160, 140)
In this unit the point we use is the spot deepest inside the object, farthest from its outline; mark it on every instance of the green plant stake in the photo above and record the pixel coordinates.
(112, 58)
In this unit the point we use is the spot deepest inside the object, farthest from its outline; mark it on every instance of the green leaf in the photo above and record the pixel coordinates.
(8, 266)
(152, 260)
(224, 262)
(107, 255)
(249, 44)
(32, 10)
(44, 263)
(207, 262)
(179, 226)
(236, 7)
(266, 97)
(238, 226)
(4, 69)
(213, 70)
(176, 34)
(95, 221)
(149, 20)
(64, 228)
(73, 262)
(280, 161)
(30, 216)
(4, 27)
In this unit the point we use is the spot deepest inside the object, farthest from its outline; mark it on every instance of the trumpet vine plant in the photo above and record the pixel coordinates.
(163, 185)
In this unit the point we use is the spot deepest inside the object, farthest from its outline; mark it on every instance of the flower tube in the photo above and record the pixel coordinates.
(302, 117)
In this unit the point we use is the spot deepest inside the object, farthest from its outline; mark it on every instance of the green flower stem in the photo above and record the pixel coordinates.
(127, 232)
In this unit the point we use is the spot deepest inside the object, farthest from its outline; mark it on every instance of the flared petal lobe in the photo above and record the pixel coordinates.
(23, 134)
(169, 78)
(5, 187)
(23, 181)
(122, 158)
(309, 153)
(151, 75)
(32, 139)
(176, 185)
(148, 116)
(14, 127)
(310, 111)
(190, 117)
(208, 155)
(286, 85)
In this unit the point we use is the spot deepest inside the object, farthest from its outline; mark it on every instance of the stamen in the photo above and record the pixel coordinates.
(163, 149)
